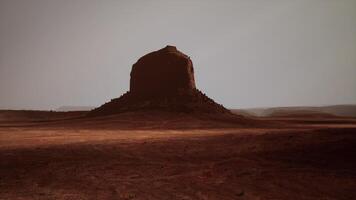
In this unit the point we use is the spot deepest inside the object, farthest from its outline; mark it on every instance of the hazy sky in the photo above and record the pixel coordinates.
(251, 53)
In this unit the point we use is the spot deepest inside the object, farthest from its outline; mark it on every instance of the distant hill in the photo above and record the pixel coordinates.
(74, 108)
(302, 111)
(36, 115)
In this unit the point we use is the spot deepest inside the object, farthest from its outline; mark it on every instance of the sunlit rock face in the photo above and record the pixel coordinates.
(162, 73)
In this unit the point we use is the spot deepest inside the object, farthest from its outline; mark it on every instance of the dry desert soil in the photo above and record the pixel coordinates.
(161, 156)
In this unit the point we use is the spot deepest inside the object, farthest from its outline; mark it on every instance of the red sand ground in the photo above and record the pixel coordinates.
(152, 156)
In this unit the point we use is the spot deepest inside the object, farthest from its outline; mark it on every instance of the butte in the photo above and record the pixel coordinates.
(163, 80)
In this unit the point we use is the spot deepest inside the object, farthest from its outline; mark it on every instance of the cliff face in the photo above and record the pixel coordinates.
(162, 73)
(162, 80)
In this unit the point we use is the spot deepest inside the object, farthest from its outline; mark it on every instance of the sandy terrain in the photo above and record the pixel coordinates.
(177, 158)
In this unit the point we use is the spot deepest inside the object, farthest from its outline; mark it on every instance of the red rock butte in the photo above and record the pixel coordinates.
(162, 73)
(162, 80)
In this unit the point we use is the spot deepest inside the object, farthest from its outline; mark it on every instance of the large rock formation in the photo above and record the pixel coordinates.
(162, 73)
(162, 80)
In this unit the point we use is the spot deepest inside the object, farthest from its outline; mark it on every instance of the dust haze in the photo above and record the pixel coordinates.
(132, 100)
(246, 53)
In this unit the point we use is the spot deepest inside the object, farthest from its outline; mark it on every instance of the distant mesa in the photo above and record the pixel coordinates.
(74, 108)
(162, 80)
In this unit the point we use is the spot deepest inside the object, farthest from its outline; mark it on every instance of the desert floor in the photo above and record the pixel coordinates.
(177, 158)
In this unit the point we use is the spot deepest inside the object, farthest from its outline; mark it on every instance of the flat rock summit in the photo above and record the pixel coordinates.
(162, 80)
(162, 73)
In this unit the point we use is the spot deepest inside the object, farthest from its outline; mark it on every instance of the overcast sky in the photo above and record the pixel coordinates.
(252, 53)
